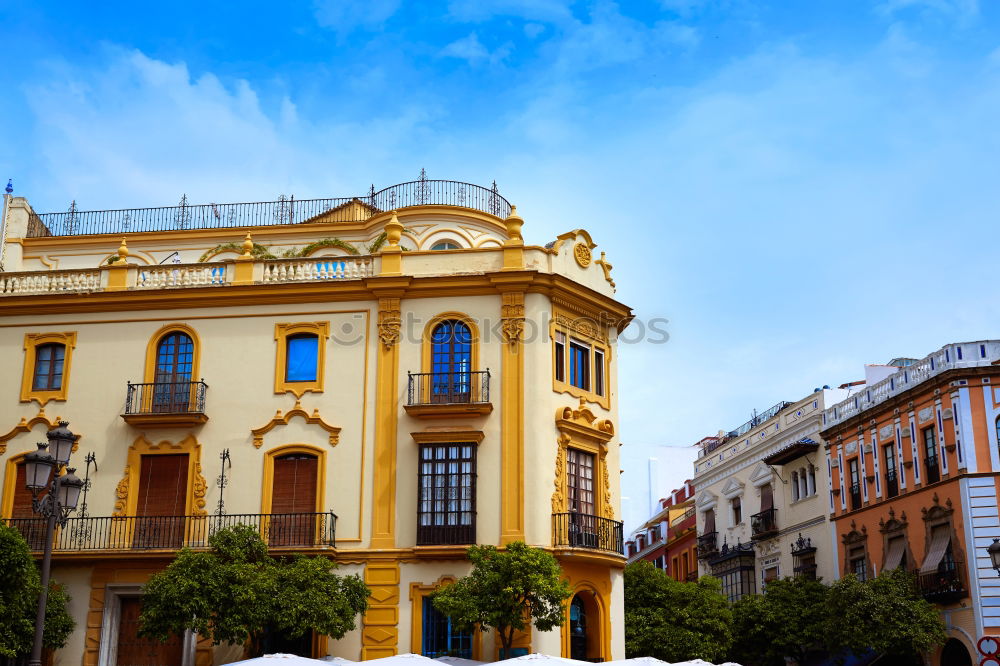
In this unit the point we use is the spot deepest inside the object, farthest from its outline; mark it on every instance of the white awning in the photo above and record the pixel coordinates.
(894, 555)
(940, 540)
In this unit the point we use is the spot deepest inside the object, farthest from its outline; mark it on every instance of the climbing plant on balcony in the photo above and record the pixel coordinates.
(20, 584)
(238, 593)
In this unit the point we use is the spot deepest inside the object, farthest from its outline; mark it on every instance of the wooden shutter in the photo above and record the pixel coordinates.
(133, 650)
(709, 521)
(162, 501)
(766, 497)
(293, 491)
(31, 525)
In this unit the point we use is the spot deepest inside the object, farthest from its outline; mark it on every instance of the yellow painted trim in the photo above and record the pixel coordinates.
(279, 419)
(512, 489)
(31, 342)
(448, 435)
(603, 639)
(267, 490)
(380, 624)
(25, 425)
(386, 419)
(9, 481)
(585, 330)
(417, 593)
(425, 358)
(149, 374)
(321, 329)
(127, 492)
(580, 429)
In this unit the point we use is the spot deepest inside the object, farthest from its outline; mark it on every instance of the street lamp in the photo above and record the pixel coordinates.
(41, 469)
(994, 551)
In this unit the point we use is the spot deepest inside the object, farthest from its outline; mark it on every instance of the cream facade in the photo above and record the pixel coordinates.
(761, 504)
(338, 350)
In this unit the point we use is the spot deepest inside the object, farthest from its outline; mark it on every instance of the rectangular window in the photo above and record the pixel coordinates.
(579, 364)
(47, 359)
(737, 511)
(560, 356)
(891, 482)
(858, 563)
(931, 459)
(580, 481)
(446, 512)
(855, 484)
(598, 372)
(48, 367)
(440, 636)
(301, 360)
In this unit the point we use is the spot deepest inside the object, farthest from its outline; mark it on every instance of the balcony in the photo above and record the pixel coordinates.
(165, 404)
(764, 525)
(943, 587)
(446, 394)
(581, 530)
(891, 484)
(170, 533)
(446, 535)
(855, 497)
(708, 545)
(933, 471)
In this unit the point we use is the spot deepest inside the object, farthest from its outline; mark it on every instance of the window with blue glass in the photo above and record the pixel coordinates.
(451, 362)
(49, 360)
(174, 364)
(579, 364)
(440, 636)
(301, 358)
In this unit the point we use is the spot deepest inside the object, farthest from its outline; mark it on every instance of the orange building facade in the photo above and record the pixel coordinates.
(669, 539)
(914, 470)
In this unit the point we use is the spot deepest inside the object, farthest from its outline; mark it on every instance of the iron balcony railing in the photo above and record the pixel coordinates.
(891, 483)
(166, 398)
(301, 530)
(581, 530)
(268, 213)
(943, 586)
(855, 496)
(764, 524)
(933, 471)
(746, 427)
(447, 388)
(446, 535)
(708, 545)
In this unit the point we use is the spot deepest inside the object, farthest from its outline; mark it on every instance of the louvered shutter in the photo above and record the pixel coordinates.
(30, 524)
(293, 492)
(162, 501)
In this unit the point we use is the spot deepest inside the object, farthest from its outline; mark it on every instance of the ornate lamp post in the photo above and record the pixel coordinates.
(60, 500)
(994, 551)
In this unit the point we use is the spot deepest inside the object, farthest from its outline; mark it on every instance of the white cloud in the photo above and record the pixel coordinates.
(543, 11)
(963, 11)
(345, 15)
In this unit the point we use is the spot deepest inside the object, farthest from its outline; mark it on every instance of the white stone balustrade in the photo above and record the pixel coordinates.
(48, 282)
(321, 268)
(180, 275)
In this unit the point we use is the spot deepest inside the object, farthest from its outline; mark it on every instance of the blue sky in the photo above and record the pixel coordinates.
(799, 187)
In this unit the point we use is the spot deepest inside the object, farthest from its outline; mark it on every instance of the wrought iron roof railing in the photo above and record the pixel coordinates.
(420, 192)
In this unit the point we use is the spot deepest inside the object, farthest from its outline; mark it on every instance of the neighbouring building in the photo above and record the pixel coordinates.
(667, 539)
(760, 508)
(914, 462)
(385, 380)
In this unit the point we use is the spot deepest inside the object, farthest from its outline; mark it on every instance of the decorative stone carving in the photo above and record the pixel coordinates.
(389, 321)
(25, 425)
(282, 420)
(559, 496)
(512, 317)
(198, 488)
(582, 255)
(121, 495)
(925, 414)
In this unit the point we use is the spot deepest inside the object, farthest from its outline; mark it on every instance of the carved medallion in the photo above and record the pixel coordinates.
(582, 254)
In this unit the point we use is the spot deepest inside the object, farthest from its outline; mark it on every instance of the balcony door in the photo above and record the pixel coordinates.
(293, 500)
(172, 381)
(580, 496)
(451, 362)
(162, 501)
(23, 517)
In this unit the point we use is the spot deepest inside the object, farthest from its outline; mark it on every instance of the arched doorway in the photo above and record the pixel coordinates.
(954, 654)
(577, 629)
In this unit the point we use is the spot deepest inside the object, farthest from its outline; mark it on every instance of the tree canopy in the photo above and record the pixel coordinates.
(674, 621)
(790, 619)
(20, 585)
(237, 593)
(506, 590)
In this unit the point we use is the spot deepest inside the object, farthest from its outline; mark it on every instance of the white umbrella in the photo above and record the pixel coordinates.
(338, 660)
(546, 659)
(638, 661)
(281, 660)
(408, 659)
(459, 661)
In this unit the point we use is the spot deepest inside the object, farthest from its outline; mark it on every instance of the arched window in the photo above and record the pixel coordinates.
(445, 245)
(48, 367)
(172, 378)
(451, 362)
(795, 486)
(577, 629)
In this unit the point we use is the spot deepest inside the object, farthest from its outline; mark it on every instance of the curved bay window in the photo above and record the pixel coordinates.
(451, 362)
(172, 378)
(446, 510)
(734, 566)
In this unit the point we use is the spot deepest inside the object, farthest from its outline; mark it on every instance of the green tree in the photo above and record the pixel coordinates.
(507, 590)
(674, 621)
(885, 614)
(20, 584)
(237, 593)
(788, 620)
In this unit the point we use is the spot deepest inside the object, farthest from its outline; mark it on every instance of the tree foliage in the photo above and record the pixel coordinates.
(790, 619)
(20, 584)
(674, 621)
(507, 590)
(886, 614)
(236, 593)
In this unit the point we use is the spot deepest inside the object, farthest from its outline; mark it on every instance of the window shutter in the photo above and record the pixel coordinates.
(293, 491)
(766, 497)
(709, 521)
(163, 485)
(940, 540)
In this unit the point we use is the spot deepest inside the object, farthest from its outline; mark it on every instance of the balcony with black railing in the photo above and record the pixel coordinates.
(581, 530)
(944, 586)
(164, 404)
(855, 496)
(891, 484)
(932, 469)
(443, 394)
(764, 525)
(150, 533)
(708, 545)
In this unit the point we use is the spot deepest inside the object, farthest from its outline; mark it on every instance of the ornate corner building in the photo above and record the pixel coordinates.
(394, 377)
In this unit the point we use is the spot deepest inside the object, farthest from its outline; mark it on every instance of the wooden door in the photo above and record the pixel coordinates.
(293, 500)
(162, 501)
(135, 651)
